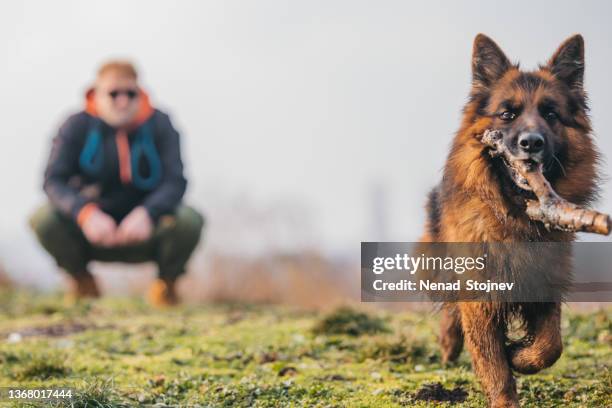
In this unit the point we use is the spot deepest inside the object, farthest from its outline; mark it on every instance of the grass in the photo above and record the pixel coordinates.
(119, 352)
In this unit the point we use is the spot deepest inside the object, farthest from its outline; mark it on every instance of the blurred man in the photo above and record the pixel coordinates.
(115, 184)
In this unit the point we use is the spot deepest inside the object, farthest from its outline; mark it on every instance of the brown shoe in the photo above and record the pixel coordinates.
(162, 294)
(82, 286)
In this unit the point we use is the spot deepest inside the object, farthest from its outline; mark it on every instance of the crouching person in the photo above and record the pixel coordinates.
(115, 185)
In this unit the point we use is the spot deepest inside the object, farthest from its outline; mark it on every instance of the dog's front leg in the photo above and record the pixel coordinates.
(542, 345)
(484, 334)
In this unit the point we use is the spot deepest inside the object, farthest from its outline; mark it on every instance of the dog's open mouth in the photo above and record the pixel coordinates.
(515, 175)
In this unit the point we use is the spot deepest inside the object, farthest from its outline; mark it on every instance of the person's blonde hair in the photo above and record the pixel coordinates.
(121, 67)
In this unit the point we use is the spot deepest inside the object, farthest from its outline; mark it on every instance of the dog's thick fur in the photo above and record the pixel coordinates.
(477, 201)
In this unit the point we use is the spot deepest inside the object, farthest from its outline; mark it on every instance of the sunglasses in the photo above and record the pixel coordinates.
(130, 93)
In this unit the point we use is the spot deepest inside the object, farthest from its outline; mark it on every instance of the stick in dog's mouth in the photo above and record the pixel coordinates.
(550, 208)
(515, 173)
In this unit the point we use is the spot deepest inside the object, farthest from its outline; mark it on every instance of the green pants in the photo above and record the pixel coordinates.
(174, 239)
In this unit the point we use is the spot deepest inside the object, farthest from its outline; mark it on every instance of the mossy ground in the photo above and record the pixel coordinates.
(119, 352)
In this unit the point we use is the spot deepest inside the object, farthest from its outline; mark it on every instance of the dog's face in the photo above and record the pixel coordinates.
(535, 110)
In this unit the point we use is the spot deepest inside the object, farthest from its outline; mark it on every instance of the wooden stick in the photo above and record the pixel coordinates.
(550, 208)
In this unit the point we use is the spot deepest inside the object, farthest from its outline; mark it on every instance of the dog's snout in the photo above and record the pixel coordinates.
(531, 142)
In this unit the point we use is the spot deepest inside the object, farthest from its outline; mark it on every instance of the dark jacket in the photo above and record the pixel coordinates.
(85, 161)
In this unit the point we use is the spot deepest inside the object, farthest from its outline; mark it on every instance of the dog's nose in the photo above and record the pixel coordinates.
(531, 142)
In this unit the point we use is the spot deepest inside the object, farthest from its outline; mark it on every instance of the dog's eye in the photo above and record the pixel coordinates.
(551, 115)
(507, 116)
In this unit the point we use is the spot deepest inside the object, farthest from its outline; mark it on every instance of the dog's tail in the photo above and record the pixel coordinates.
(432, 227)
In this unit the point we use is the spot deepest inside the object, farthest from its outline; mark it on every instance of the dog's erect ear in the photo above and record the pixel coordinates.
(489, 63)
(567, 63)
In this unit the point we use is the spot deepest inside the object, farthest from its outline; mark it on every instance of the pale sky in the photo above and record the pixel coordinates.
(312, 105)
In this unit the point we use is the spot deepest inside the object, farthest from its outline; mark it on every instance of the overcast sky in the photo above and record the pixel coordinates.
(316, 103)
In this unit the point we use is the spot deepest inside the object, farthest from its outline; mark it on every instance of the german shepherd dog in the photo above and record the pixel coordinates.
(543, 116)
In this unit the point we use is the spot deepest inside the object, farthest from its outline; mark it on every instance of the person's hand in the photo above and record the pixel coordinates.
(136, 227)
(100, 228)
